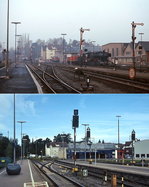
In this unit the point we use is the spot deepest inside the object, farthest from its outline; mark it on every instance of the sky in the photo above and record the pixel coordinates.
(108, 20)
(50, 115)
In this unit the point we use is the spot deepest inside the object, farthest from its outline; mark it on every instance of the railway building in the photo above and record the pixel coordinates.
(101, 150)
(141, 149)
(56, 150)
(121, 53)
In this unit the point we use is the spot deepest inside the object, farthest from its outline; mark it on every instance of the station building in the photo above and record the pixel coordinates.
(98, 150)
(141, 149)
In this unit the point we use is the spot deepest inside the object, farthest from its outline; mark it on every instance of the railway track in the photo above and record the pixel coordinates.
(127, 179)
(106, 77)
(57, 178)
(50, 82)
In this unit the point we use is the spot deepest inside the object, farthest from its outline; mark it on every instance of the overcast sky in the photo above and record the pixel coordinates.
(108, 20)
(49, 115)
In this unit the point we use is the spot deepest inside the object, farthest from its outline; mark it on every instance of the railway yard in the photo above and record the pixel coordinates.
(64, 173)
(60, 78)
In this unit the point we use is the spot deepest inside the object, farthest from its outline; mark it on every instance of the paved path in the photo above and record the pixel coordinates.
(24, 177)
(20, 81)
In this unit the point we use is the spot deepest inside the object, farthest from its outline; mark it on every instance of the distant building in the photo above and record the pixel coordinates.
(142, 49)
(102, 150)
(116, 49)
(141, 149)
(35, 51)
(56, 150)
(47, 53)
(122, 53)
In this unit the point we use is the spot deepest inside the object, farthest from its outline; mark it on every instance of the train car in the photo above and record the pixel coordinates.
(100, 56)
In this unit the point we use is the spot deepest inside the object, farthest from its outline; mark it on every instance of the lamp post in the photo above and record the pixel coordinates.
(85, 125)
(63, 34)
(7, 57)
(14, 132)
(16, 23)
(21, 122)
(118, 137)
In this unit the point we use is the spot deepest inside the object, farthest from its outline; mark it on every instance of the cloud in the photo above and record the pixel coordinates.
(25, 106)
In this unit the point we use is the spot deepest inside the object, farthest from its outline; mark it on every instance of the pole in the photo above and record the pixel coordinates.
(15, 43)
(118, 138)
(75, 146)
(14, 139)
(21, 140)
(85, 138)
(95, 156)
(63, 46)
(132, 152)
(7, 57)
(81, 41)
(21, 122)
(133, 43)
(141, 50)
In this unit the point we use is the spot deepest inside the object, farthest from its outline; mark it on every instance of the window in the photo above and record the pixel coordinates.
(116, 51)
(112, 52)
(147, 155)
(142, 155)
(137, 155)
(127, 53)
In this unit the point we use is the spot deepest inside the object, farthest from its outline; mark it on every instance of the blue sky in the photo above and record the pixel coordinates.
(108, 20)
(48, 115)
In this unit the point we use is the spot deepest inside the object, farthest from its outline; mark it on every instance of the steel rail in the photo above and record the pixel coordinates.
(42, 80)
(130, 178)
(56, 78)
(118, 80)
(56, 173)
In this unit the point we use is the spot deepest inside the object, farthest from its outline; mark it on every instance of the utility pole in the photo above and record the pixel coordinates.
(118, 138)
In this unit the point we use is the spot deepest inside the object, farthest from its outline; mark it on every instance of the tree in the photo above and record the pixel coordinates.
(99, 141)
(3, 146)
(62, 138)
(103, 141)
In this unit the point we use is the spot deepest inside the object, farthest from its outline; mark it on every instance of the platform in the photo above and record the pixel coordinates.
(19, 81)
(28, 175)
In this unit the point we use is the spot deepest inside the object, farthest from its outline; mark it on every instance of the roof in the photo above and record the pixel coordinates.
(116, 43)
(145, 45)
(128, 143)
